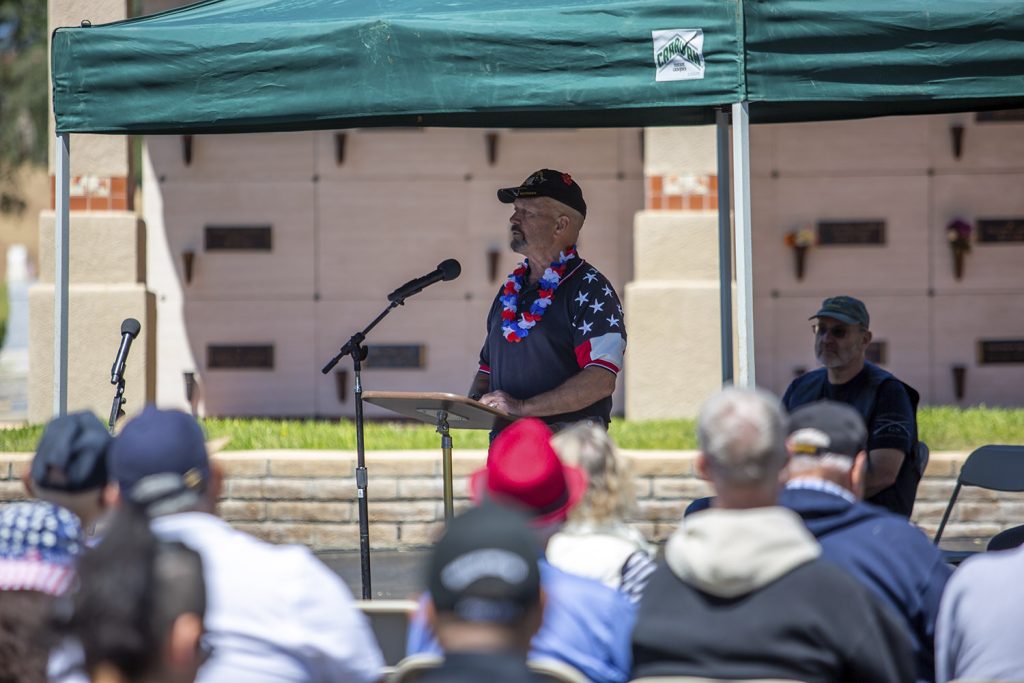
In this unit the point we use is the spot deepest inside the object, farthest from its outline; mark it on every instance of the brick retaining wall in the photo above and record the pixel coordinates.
(309, 496)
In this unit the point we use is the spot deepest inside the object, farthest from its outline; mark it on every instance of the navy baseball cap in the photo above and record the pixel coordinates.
(484, 568)
(72, 454)
(844, 308)
(547, 183)
(160, 442)
(826, 427)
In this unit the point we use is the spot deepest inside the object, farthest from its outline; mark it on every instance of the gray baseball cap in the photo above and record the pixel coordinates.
(844, 308)
(826, 427)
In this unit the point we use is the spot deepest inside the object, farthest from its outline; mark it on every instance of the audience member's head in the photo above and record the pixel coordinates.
(609, 496)
(138, 611)
(742, 447)
(70, 465)
(39, 542)
(524, 471)
(160, 458)
(484, 582)
(828, 440)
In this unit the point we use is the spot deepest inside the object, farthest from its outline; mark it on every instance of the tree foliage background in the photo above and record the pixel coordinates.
(24, 97)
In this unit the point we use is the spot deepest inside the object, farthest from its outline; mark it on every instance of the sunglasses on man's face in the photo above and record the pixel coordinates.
(837, 331)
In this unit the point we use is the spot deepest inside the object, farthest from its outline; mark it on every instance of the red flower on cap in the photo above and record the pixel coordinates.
(523, 468)
(567, 179)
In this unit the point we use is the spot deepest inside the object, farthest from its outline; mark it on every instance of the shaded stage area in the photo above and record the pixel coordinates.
(395, 574)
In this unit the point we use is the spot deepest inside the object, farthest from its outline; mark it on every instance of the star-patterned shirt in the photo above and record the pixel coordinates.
(583, 327)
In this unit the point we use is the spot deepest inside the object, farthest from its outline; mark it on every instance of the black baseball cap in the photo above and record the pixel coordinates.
(484, 568)
(72, 454)
(826, 427)
(547, 183)
(844, 308)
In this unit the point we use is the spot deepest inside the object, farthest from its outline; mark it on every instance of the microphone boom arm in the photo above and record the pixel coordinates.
(355, 342)
(446, 270)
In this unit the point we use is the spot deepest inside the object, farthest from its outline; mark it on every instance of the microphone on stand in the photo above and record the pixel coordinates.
(449, 269)
(129, 330)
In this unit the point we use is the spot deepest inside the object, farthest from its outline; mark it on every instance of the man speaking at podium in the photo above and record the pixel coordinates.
(555, 334)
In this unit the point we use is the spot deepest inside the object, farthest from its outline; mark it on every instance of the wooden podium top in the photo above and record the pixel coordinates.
(462, 411)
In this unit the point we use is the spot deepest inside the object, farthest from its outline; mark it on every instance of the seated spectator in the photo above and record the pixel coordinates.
(742, 592)
(586, 624)
(276, 613)
(70, 466)
(828, 448)
(596, 541)
(978, 635)
(38, 546)
(138, 610)
(485, 598)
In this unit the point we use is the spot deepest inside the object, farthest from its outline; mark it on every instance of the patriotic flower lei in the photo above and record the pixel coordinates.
(517, 330)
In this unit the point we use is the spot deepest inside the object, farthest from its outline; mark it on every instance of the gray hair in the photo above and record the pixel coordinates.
(742, 435)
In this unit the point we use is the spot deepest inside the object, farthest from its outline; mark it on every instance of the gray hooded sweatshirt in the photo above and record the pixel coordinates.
(742, 594)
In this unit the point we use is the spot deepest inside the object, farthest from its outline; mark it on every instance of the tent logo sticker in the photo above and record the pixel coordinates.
(679, 54)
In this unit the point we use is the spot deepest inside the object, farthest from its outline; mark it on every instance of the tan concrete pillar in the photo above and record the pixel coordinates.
(672, 305)
(107, 278)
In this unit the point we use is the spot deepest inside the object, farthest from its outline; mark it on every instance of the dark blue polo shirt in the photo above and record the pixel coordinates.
(582, 327)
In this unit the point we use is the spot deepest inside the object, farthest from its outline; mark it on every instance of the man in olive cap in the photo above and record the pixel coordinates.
(888, 406)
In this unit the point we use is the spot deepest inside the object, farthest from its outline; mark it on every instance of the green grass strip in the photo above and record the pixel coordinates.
(944, 428)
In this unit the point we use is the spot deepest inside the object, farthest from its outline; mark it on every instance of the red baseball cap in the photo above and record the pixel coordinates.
(523, 468)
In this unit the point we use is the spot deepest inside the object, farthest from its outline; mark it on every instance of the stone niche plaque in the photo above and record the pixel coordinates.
(998, 230)
(855, 233)
(240, 357)
(1001, 352)
(395, 356)
(999, 115)
(877, 352)
(238, 238)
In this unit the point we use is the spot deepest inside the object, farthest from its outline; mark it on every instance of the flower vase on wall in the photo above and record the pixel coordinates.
(800, 241)
(959, 233)
(799, 260)
(958, 262)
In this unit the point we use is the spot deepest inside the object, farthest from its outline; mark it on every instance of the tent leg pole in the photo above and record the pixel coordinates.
(744, 260)
(724, 244)
(61, 239)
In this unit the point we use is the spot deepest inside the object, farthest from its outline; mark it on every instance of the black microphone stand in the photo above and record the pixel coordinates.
(353, 347)
(117, 409)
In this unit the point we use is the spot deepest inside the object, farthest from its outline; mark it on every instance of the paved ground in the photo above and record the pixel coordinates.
(394, 574)
(398, 574)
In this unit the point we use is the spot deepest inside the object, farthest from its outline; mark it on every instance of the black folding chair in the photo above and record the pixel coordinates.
(998, 468)
(1007, 539)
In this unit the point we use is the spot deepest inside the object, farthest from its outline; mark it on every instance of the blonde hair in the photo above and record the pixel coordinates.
(610, 495)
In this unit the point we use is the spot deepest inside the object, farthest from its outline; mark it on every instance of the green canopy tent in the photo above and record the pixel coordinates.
(228, 66)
